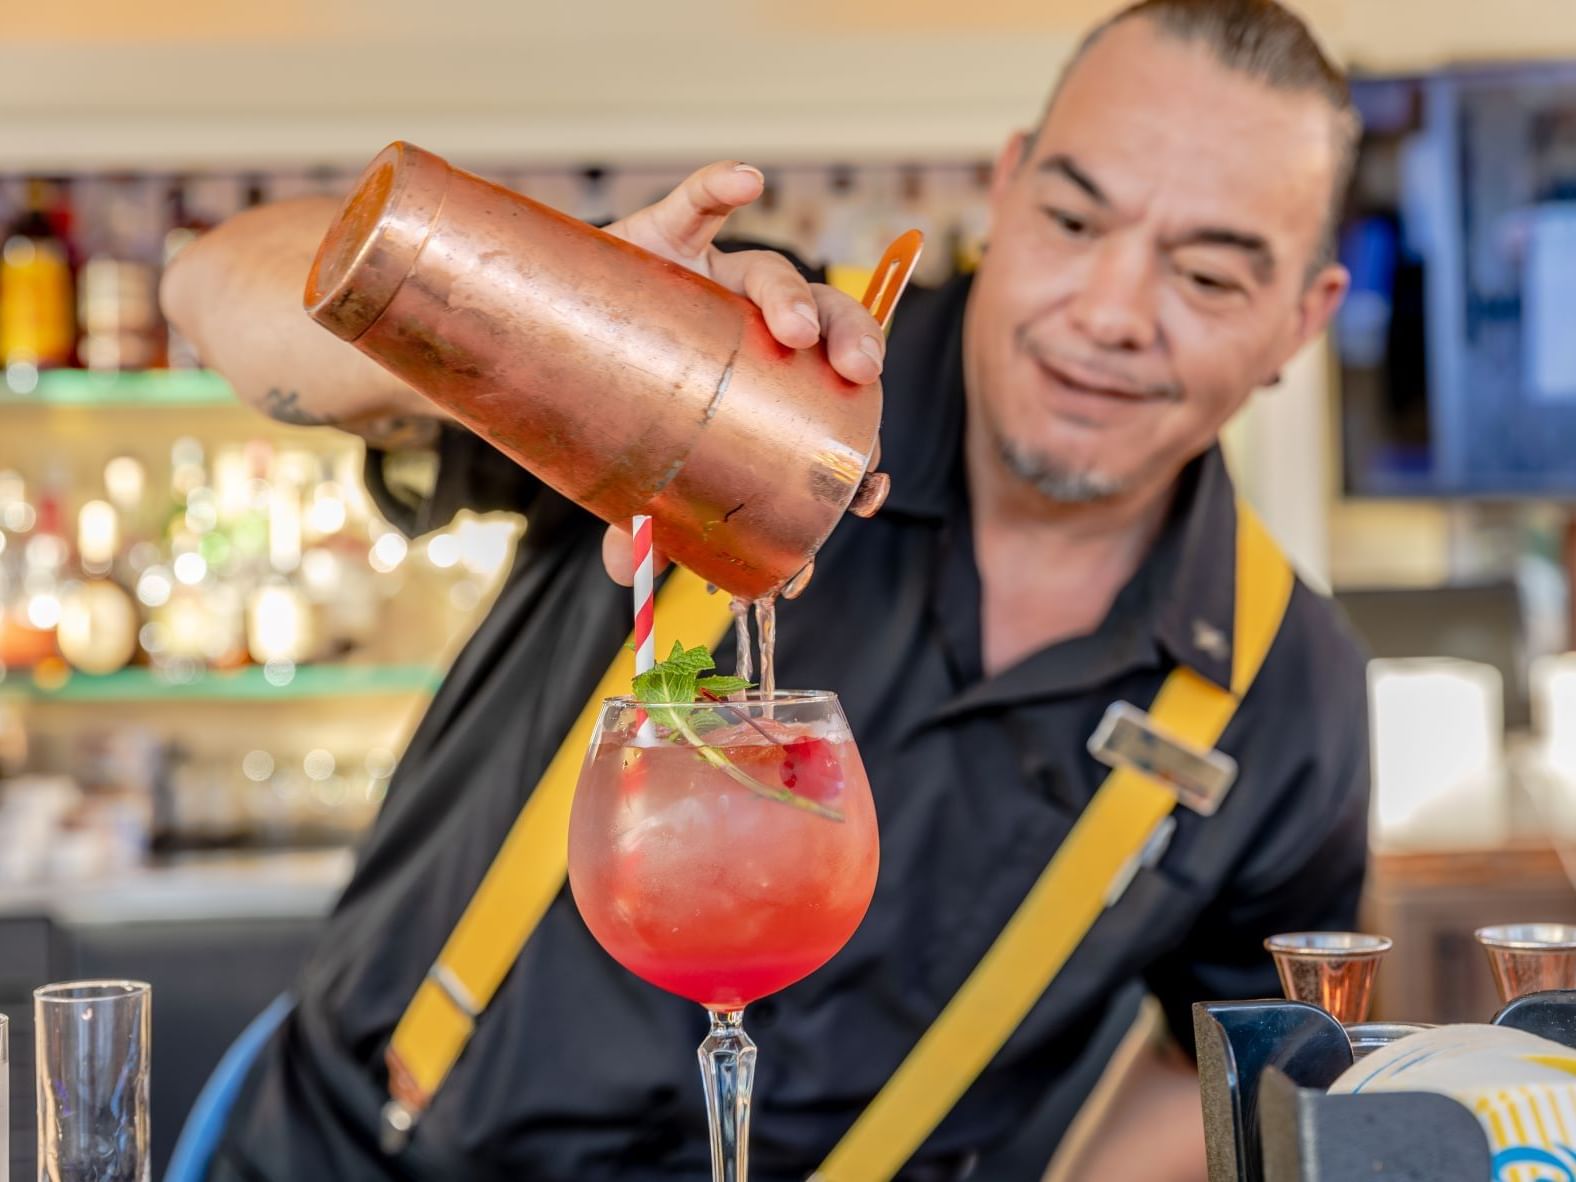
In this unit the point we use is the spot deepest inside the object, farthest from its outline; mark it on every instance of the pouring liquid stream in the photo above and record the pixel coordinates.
(744, 666)
(766, 631)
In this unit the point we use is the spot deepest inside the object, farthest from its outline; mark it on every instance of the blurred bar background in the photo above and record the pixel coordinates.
(213, 649)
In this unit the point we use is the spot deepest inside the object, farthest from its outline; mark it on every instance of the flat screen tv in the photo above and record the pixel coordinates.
(1457, 345)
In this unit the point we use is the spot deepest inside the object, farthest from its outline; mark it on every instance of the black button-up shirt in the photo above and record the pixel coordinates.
(580, 1072)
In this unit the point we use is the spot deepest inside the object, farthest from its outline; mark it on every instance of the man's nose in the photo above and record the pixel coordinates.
(1116, 306)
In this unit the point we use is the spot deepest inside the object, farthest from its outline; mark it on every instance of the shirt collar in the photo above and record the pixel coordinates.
(1194, 566)
(922, 427)
(1187, 584)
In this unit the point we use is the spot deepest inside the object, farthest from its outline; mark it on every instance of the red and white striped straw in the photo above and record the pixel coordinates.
(645, 597)
(645, 611)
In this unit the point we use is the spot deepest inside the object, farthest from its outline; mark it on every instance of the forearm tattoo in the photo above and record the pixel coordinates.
(285, 406)
(386, 432)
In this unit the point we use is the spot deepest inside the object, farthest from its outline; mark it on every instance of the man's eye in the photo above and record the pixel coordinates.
(1068, 223)
(1211, 284)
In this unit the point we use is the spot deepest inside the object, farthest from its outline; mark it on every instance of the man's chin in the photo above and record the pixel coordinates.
(1059, 480)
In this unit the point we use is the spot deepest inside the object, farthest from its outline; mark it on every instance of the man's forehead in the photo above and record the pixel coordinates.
(1157, 83)
(1132, 159)
(1142, 111)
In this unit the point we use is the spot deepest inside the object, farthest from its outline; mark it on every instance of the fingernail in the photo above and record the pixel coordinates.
(750, 168)
(872, 349)
(807, 313)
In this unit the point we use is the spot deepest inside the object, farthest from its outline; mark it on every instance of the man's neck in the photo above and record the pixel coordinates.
(1050, 570)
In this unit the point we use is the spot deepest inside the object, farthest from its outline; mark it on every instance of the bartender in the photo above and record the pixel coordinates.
(1059, 537)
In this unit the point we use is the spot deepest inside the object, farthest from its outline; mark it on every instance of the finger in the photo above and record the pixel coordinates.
(618, 556)
(777, 288)
(854, 341)
(682, 225)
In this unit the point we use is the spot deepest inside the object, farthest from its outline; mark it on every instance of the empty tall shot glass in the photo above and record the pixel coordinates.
(93, 1042)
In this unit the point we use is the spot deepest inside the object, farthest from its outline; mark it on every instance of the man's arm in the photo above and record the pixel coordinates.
(1143, 1123)
(236, 294)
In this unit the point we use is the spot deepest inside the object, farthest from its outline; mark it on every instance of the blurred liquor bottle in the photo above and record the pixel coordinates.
(37, 325)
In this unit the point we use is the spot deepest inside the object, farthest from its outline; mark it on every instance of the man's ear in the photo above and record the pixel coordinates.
(1320, 301)
(1012, 157)
(1316, 307)
(1009, 160)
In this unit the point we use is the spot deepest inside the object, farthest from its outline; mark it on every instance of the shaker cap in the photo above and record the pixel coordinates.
(375, 238)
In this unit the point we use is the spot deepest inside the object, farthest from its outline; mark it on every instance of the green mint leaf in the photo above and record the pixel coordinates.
(673, 681)
(696, 660)
(703, 722)
(722, 686)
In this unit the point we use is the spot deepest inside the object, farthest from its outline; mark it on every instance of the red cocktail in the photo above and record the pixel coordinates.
(721, 851)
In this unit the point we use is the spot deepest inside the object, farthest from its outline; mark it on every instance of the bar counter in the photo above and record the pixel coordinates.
(218, 936)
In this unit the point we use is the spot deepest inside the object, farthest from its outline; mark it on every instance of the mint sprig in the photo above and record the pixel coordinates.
(678, 680)
(681, 680)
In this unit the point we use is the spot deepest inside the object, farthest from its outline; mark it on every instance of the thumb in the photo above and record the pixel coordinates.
(682, 225)
(618, 556)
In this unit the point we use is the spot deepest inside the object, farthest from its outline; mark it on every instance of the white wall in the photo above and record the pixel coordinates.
(181, 83)
(221, 81)
(616, 79)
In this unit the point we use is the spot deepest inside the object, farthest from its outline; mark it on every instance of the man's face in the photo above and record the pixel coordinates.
(1149, 263)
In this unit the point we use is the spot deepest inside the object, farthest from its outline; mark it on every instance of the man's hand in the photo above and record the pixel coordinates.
(681, 228)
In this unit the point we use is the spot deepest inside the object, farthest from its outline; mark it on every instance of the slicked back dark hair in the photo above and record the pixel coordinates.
(1268, 42)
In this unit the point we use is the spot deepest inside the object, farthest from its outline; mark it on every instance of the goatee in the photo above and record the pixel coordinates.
(1054, 480)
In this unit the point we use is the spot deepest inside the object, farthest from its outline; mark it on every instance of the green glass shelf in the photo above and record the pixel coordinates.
(251, 684)
(154, 387)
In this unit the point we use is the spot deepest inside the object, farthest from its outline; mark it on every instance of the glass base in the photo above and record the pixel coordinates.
(727, 1066)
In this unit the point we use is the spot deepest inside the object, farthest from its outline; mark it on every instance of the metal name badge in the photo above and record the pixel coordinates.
(1127, 737)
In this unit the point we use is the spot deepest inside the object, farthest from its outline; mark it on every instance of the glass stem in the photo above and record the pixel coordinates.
(727, 1066)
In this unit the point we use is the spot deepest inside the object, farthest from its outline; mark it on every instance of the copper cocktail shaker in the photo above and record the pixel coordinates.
(628, 383)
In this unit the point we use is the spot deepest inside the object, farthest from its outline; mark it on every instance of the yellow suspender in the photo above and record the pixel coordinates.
(851, 280)
(1053, 919)
(1070, 894)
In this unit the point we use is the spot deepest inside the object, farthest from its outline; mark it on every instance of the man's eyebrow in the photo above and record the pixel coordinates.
(1065, 166)
(1256, 246)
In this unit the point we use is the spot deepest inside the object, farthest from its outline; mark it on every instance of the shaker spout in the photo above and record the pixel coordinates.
(796, 585)
(871, 494)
